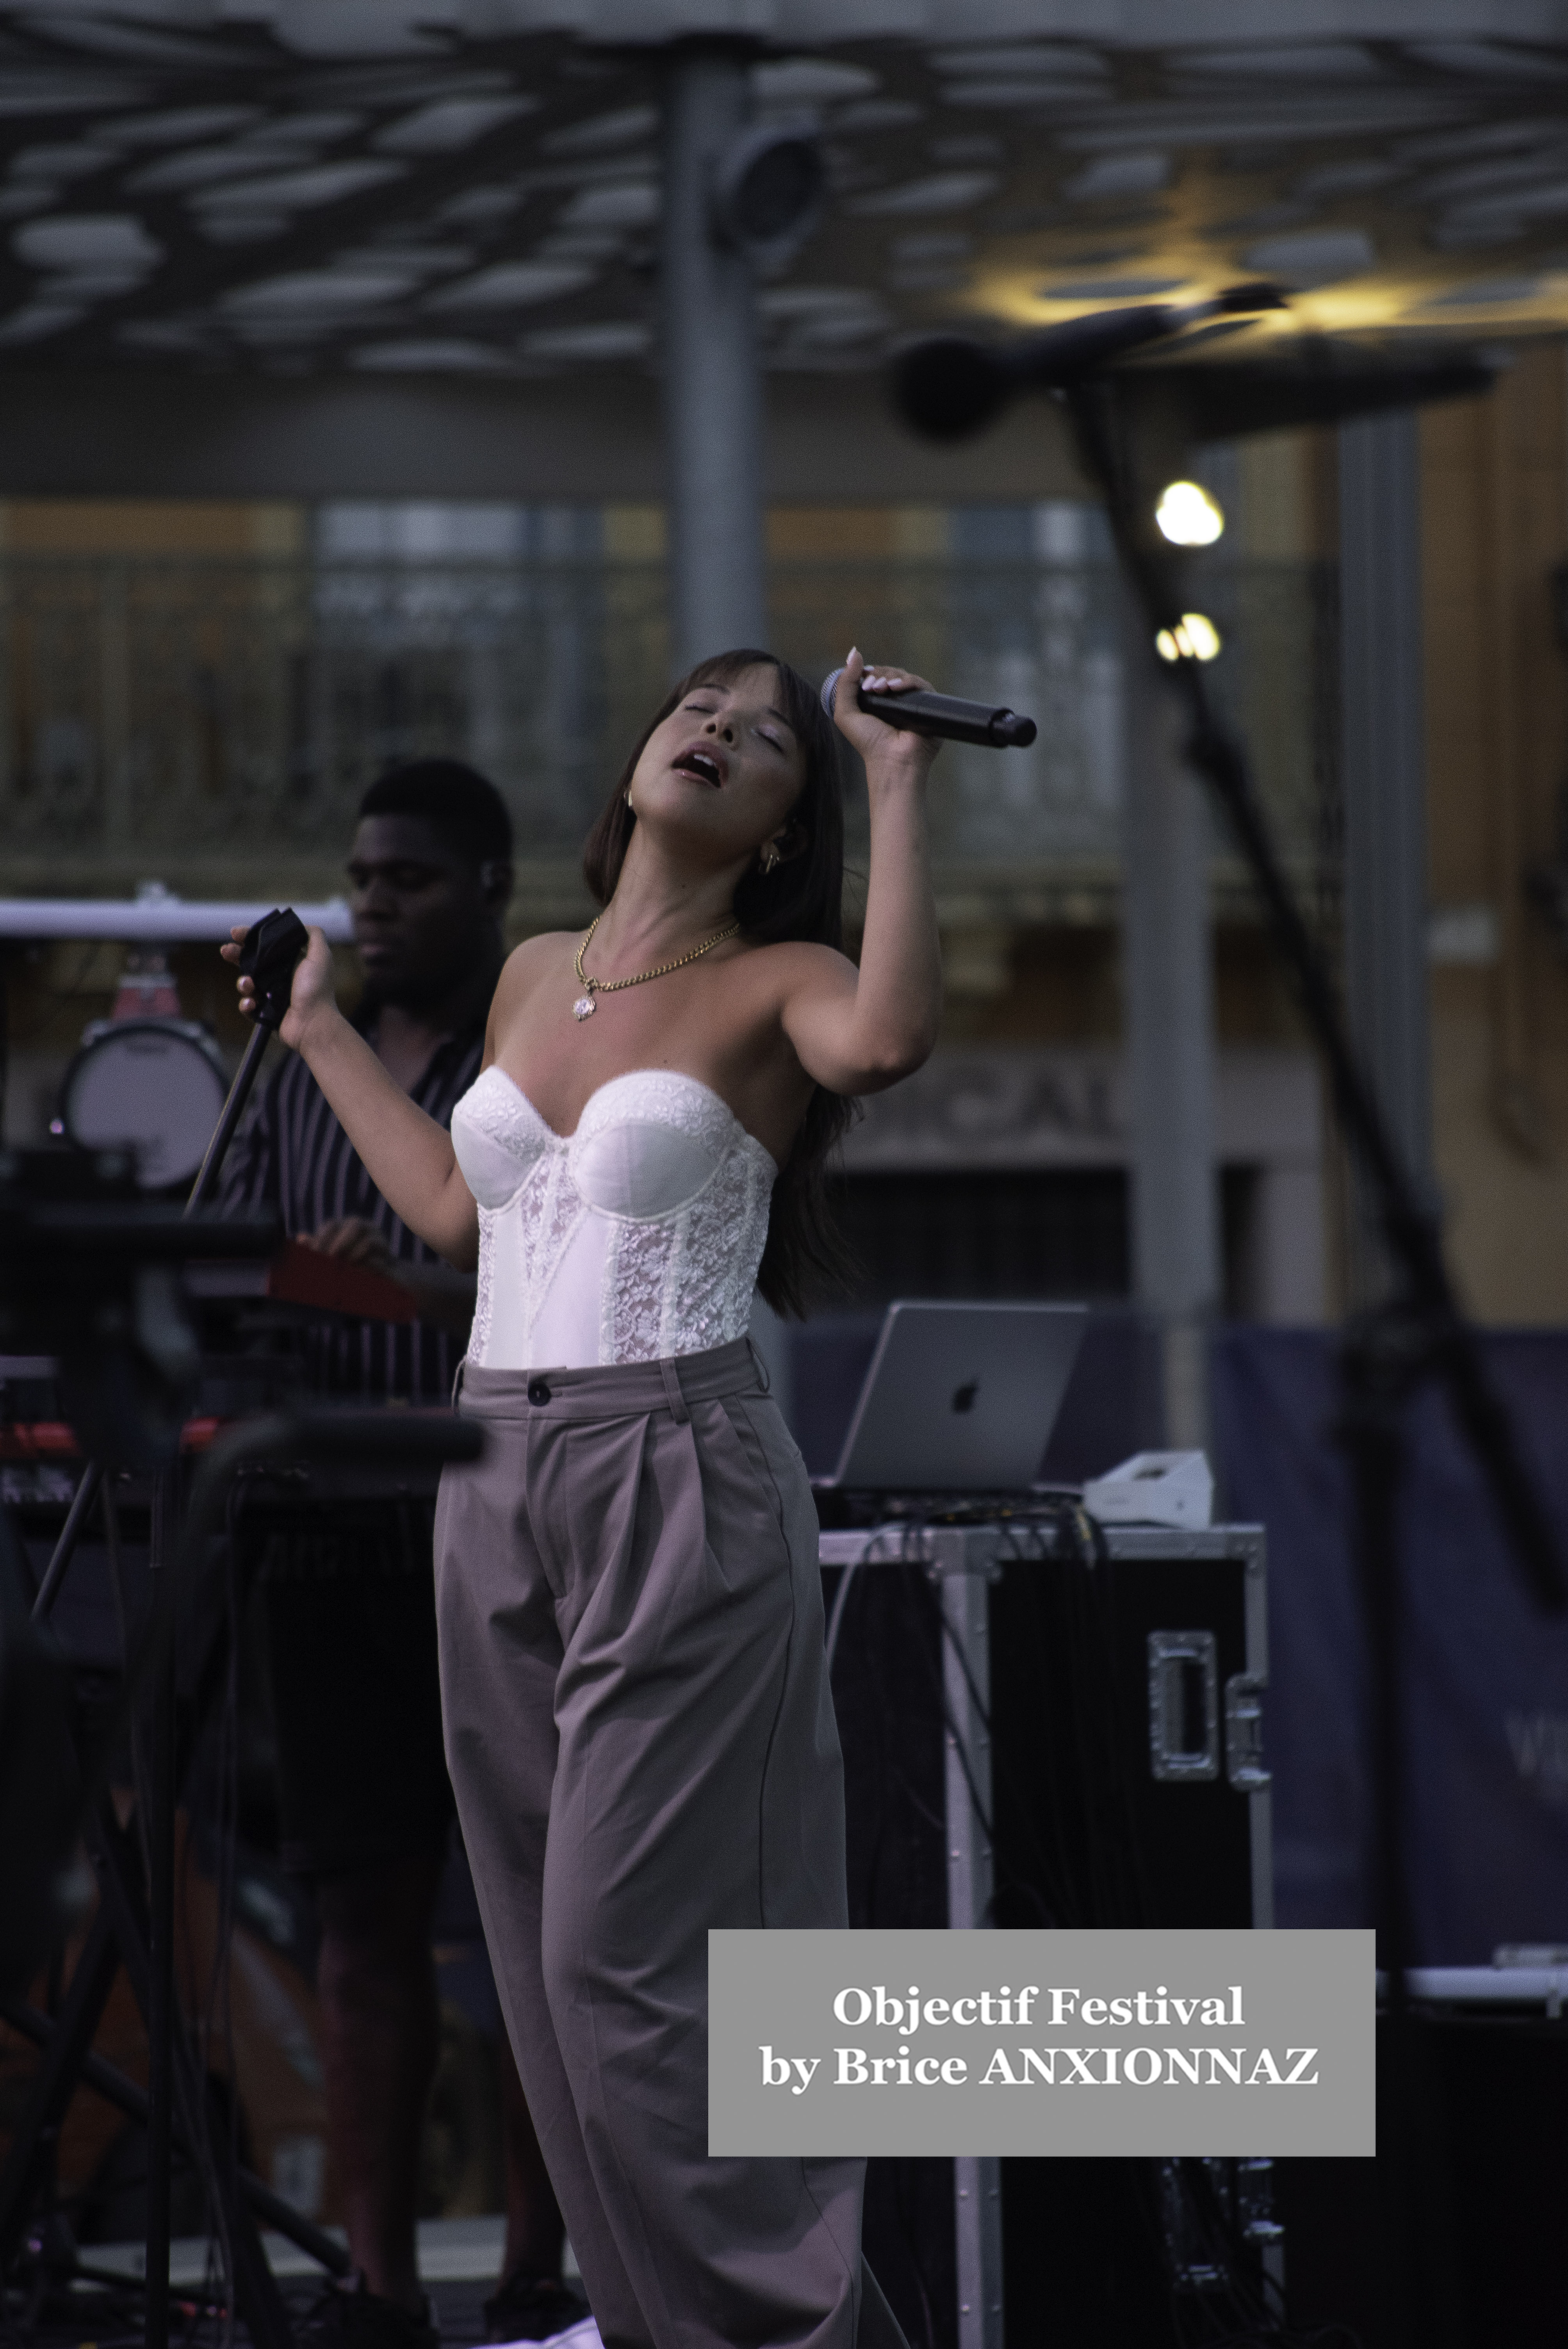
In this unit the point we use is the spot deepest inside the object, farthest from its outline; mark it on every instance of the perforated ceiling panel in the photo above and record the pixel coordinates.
(472, 186)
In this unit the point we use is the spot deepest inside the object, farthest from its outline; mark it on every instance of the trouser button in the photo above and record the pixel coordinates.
(538, 1391)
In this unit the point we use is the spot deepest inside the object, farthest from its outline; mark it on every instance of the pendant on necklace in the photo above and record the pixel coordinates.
(583, 1007)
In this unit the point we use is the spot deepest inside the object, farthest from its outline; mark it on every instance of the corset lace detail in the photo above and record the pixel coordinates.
(635, 1237)
(479, 1335)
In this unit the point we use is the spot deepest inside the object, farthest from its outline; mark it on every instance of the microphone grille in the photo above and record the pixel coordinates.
(831, 686)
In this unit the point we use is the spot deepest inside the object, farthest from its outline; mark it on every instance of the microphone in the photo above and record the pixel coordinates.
(949, 386)
(941, 714)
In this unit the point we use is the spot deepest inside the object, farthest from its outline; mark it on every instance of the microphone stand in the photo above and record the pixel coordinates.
(272, 948)
(1417, 1334)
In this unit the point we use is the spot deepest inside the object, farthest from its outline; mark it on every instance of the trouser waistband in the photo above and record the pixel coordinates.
(612, 1390)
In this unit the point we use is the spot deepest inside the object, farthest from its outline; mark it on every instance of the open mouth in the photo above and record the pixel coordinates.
(702, 766)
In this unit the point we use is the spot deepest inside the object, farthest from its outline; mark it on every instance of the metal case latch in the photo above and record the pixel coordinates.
(1245, 1732)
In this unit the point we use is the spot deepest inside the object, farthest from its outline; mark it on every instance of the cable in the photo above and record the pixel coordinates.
(868, 1557)
(896, 1778)
(1250, 2316)
(1032, 1790)
(1045, 1896)
(835, 1621)
(906, 2228)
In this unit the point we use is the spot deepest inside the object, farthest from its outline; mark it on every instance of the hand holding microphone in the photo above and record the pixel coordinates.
(916, 709)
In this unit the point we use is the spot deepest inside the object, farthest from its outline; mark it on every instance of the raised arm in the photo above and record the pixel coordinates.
(408, 1156)
(860, 1031)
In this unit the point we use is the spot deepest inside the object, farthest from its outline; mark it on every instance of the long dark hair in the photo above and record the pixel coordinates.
(801, 898)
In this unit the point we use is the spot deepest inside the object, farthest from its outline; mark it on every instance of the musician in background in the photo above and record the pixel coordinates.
(365, 1803)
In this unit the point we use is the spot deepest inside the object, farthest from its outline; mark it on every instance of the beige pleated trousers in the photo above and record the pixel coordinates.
(641, 1741)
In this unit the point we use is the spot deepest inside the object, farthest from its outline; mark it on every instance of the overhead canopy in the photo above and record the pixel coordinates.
(472, 187)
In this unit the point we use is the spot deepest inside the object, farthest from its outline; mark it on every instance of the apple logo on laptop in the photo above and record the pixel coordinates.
(963, 1396)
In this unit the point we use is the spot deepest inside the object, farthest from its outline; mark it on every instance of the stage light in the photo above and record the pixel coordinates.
(1188, 515)
(1194, 637)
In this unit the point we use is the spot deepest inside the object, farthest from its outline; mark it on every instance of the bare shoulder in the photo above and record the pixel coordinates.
(527, 967)
(527, 964)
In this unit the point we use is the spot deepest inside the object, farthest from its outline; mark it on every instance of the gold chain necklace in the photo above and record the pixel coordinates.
(593, 987)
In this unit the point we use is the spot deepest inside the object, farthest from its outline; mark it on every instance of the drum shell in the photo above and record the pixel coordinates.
(155, 1086)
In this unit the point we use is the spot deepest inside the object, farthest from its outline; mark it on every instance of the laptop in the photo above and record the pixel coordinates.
(959, 1398)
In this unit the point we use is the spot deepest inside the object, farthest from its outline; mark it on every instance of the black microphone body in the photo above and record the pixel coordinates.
(918, 712)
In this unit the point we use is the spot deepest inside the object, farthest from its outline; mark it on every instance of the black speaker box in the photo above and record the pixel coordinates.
(1487, 2263)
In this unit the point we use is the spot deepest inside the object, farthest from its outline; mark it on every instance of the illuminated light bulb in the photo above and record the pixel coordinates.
(1194, 637)
(1188, 515)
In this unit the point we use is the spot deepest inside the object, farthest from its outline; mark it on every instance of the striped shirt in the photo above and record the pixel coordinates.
(293, 1154)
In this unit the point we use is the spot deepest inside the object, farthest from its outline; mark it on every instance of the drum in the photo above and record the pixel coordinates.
(152, 1086)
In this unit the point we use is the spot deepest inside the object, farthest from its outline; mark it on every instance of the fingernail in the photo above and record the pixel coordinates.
(855, 652)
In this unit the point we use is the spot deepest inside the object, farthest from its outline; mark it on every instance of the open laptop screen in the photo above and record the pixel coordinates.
(959, 1398)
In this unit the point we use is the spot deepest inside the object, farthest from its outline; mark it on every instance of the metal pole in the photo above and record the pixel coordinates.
(229, 1117)
(966, 1752)
(713, 424)
(966, 1745)
(160, 2019)
(1385, 789)
(1170, 1043)
(86, 1494)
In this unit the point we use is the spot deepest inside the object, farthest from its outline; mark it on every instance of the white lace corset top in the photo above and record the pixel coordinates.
(636, 1237)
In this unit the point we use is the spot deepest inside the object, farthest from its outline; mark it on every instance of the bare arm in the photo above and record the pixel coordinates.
(408, 1156)
(857, 1033)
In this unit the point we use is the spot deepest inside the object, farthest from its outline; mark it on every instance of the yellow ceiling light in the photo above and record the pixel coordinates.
(1194, 637)
(1188, 515)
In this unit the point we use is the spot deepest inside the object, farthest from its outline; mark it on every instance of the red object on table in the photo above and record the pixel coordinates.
(299, 1274)
(39, 1438)
(46, 1440)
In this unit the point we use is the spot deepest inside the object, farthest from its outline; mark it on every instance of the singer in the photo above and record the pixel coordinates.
(638, 1718)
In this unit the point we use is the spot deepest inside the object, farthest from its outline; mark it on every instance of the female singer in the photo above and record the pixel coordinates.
(638, 1724)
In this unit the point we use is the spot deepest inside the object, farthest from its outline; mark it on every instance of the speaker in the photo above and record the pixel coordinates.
(1484, 2079)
